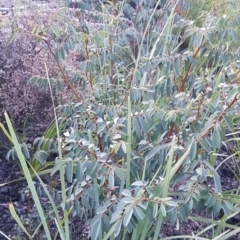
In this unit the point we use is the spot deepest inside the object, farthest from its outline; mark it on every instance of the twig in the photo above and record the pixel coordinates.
(66, 80)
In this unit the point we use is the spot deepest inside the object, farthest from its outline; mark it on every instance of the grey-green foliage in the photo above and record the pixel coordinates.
(182, 81)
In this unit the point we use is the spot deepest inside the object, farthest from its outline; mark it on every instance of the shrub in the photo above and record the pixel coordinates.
(156, 93)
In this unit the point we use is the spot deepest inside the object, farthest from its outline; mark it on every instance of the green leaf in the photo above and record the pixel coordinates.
(198, 40)
(69, 170)
(139, 213)
(179, 163)
(183, 213)
(205, 145)
(211, 200)
(216, 139)
(95, 219)
(25, 151)
(79, 172)
(184, 135)
(229, 122)
(190, 204)
(169, 87)
(116, 147)
(234, 35)
(110, 232)
(28, 176)
(115, 216)
(207, 36)
(101, 128)
(55, 30)
(217, 182)
(143, 124)
(85, 203)
(155, 210)
(229, 205)
(107, 204)
(151, 154)
(101, 210)
(215, 99)
(66, 48)
(225, 209)
(117, 228)
(143, 206)
(217, 207)
(96, 230)
(111, 179)
(220, 78)
(139, 183)
(199, 171)
(136, 127)
(62, 53)
(177, 66)
(126, 193)
(163, 210)
(171, 203)
(127, 200)
(232, 94)
(57, 167)
(41, 156)
(193, 150)
(127, 217)
(125, 147)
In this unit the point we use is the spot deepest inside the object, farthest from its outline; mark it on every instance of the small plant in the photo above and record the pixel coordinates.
(37, 154)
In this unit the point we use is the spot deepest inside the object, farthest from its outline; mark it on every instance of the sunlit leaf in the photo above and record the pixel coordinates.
(117, 229)
(101, 210)
(126, 193)
(95, 231)
(173, 217)
(127, 217)
(111, 179)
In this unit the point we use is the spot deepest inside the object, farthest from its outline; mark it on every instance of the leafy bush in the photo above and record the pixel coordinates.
(155, 94)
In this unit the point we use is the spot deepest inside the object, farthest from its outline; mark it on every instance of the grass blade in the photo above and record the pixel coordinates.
(62, 170)
(5, 235)
(129, 132)
(18, 220)
(165, 186)
(28, 176)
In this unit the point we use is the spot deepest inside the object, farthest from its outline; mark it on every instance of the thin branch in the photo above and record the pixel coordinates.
(66, 80)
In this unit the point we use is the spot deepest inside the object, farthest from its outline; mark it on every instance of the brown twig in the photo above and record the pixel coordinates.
(184, 79)
(73, 4)
(88, 59)
(66, 80)
(220, 117)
